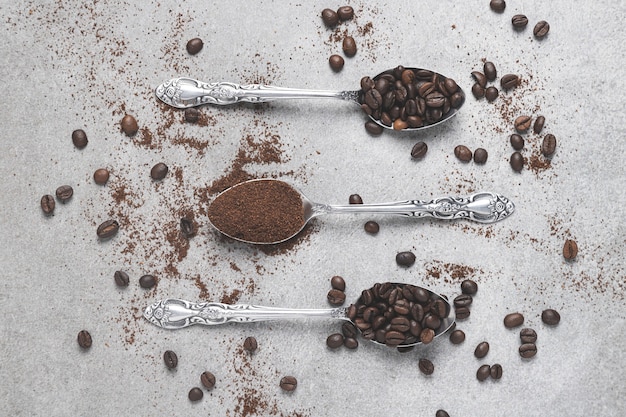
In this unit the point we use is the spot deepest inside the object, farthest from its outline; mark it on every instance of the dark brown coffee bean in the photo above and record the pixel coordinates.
(107, 229)
(129, 125)
(496, 371)
(519, 21)
(497, 5)
(351, 343)
(462, 313)
(439, 308)
(478, 91)
(463, 153)
(159, 171)
(64, 193)
(348, 329)
(451, 86)
(517, 141)
(538, 125)
(491, 93)
(349, 46)
(528, 350)
(337, 282)
(121, 278)
(419, 150)
(207, 379)
(512, 320)
(336, 297)
(330, 17)
(194, 46)
(187, 228)
(373, 128)
(355, 199)
(517, 161)
(528, 335)
(192, 115)
(79, 138)
(195, 394)
(147, 281)
(480, 156)
(442, 413)
(250, 344)
(509, 81)
(288, 383)
(171, 359)
(570, 249)
(47, 204)
(427, 335)
(550, 317)
(463, 300)
(480, 78)
(548, 146)
(371, 227)
(426, 367)
(367, 84)
(481, 350)
(405, 258)
(373, 98)
(334, 341)
(84, 339)
(336, 62)
(541, 29)
(489, 69)
(469, 287)
(483, 372)
(101, 176)
(457, 337)
(345, 13)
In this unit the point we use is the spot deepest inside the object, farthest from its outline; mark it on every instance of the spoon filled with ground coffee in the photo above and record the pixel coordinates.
(391, 314)
(269, 211)
(401, 98)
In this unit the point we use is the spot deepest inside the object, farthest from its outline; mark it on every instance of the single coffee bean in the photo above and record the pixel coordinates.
(194, 46)
(528, 335)
(480, 78)
(348, 329)
(442, 413)
(107, 229)
(84, 339)
(288, 383)
(400, 124)
(349, 46)
(336, 297)
(469, 287)
(480, 156)
(336, 62)
(528, 350)
(457, 337)
(207, 379)
(512, 320)
(491, 93)
(483, 372)
(497, 5)
(250, 344)
(192, 115)
(550, 317)
(517, 141)
(519, 21)
(334, 341)
(541, 29)
(517, 161)
(538, 125)
(351, 343)
(419, 150)
(463, 153)
(489, 69)
(462, 313)
(64, 193)
(171, 359)
(463, 300)
(337, 282)
(129, 125)
(496, 371)
(195, 394)
(371, 227)
(79, 138)
(481, 350)
(187, 228)
(570, 249)
(159, 171)
(373, 128)
(330, 17)
(355, 199)
(426, 367)
(427, 335)
(509, 81)
(345, 13)
(101, 176)
(548, 146)
(47, 204)
(147, 281)
(478, 91)
(405, 258)
(121, 278)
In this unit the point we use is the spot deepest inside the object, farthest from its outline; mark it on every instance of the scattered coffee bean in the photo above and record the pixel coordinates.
(548, 146)
(528, 335)
(355, 199)
(517, 161)
(187, 228)
(442, 413)
(288, 383)
(195, 394)
(480, 78)
(570, 249)
(490, 71)
(496, 371)
(129, 125)
(483, 372)
(207, 379)
(519, 21)
(336, 62)
(509, 81)
(463, 300)
(64, 193)
(538, 125)
(84, 339)
(101, 176)
(497, 5)
(348, 329)
(481, 350)
(419, 150)
(462, 313)
(349, 46)
(550, 317)
(351, 343)
(463, 153)
(528, 350)
(79, 138)
(192, 115)
(478, 91)
(426, 367)
(337, 282)
(47, 204)
(345, 13)
(334, 341)
(371, 227)
(469, 287)
(517, 141)
(512, 320)
(159, 171)
(336, 297)
(491, 93)
(480, 156)
(147, 281)
(121, 278)
(457, 337)
(250, 344)
(171, 359)
(107, 229)
(194, 46)
(405, 258)
(330, 17)
(373, 128)
(541, 29)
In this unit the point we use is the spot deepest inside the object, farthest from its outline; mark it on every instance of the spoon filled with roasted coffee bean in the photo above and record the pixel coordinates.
(391, 314)
(401, 98)
(269, 211)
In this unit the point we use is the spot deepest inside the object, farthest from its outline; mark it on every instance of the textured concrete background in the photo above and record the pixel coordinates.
(73, 64)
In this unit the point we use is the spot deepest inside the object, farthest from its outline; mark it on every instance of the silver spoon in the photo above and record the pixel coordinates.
(174, 313)
(185, 92)
(483, 207)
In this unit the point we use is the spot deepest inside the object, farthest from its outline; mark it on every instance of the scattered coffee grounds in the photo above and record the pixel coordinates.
(47, 204)
(121, 278)
(336, 62)
(484, 372)
(527, 350)
(463, 153)
(497, 5)
(260, 211)
(335, 340)
(512, 320)
(64, 193)
(79, 138)
(528, 335)
(195, 394)
(419, 150)
(101, 176)
(171, 359)
(107, 229)
(570, 249)
(426, 366)
(550, 317)
(541, 29)
(207, 379)
(481, 350)
(371, 227)
(349, 46)
(129, 125)
(288, 383)
(84, 339)
(405, 258)
(338, 283)
(250, 344)
(159, 171)
(194, 46)
(519, 21)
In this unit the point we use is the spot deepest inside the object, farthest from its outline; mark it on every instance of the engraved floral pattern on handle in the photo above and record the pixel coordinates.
(481, 207)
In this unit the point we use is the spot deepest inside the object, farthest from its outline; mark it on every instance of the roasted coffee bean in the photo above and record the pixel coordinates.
(84, 339)
(528, 335)
(439, 309)
(512, 320)
(121, 278)
(570, 249)
(431, 321)
(367, 84)
(207, 379)
(519, 21)
(491, 93)
(101, 176)
(159, 171)
(394, 338)
(336, 297)
(522, 123)
(373, 98)
(334, 341)
(426, 367)
(107, 229)
(457, 337)
(463, 300)
(480, 156)
(47, 204)
(517, 161)
(528, 350)
(250, 344)
(427, 335)
(400, 124)
(337, 282)
(463, 153)
(419, 150)
(496, 371)
(371, 227)
(550, 317)
(442, 413)
(462, 313)
(147, 281)
(349, 46)
(489, 69)
(469, 287)
(345, 13)
(480, 78)
(348, 329)
(355, 199)
(405, 258)
(538, 125)
(187, 228)
(483, 372)
(450, 86)
(64, 193)
(129, 125)
(509, 81)
(517, 141)
(288, 383)
(478, 91)
(79, 138)
(195, 394)
(497, 5)
(194, 46)
(548, 146)
(171, 359)
(541, 29)
(481, 350)
(192, 115)
(336, 62)
(330, 17)
(373, 128)
(351, 343)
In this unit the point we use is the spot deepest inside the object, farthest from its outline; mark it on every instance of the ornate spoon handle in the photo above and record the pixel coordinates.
(187, 92)
(173, 313)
